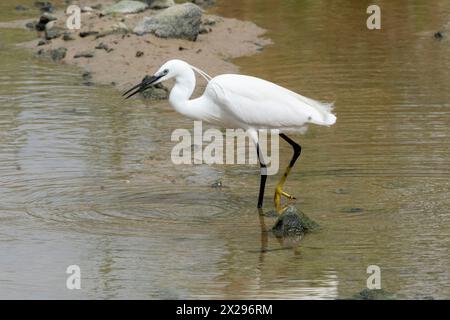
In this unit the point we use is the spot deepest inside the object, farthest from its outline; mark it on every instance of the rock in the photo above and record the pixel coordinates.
(120, 28)
(44, 6)
(53, 33)
(84, 54)
(179, 21)
(68, 37)
(21, 8)
(208, 21)
(31, 25)
(102, 46)
(43, 42)
(84, 34)
(86, 75)
(438, 35)
(203, 29)
(43, 20)
(204, 3)
(58, 54)
(293, 222)
(160, 4)
(156, 92)
(218, 184)
(374, 294)
(352, 210)
(139, 54)
(126, 6)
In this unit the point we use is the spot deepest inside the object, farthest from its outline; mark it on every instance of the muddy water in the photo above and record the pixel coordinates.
(86, 179)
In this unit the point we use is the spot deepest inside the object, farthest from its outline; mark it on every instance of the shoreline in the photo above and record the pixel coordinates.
(111, 54)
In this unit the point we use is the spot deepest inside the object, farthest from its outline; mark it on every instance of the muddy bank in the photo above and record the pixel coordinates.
(109, 49)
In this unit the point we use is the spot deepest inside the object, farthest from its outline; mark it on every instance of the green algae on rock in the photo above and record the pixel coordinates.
(293, 222)
(374, 294)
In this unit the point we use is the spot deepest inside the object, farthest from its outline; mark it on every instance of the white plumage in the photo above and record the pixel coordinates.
(238, 101)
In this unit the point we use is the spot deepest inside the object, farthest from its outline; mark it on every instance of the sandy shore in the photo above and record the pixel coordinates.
(129, 57)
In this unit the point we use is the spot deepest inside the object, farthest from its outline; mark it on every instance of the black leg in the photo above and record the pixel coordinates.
(297, 149)
(262, 184)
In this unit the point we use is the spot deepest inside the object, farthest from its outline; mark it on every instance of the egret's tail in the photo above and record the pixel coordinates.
(329, 118)
(325, 111)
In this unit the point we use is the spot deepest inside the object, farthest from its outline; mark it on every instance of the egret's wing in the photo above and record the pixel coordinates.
(261, 103)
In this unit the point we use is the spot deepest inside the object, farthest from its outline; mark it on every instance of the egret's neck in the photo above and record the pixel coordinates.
(182, 91)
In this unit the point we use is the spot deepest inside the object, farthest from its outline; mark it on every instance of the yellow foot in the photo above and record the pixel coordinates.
(277, 199)
(287, 195)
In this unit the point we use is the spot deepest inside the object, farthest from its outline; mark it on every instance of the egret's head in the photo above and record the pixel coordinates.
(168, 70)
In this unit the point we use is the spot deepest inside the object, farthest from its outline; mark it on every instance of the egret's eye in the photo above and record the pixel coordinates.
(165, 71)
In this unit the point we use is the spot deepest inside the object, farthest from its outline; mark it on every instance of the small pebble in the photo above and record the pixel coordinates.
(438, 35)
(217, 184)
(139, 54)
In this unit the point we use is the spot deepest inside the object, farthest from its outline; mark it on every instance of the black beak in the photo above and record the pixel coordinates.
(145, 84)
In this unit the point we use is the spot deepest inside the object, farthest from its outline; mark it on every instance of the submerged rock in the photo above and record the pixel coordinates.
(374, 294)
(439, 35)
(54, 54)
(179, 21)
(126, 6)
(293, 222)
(44, 6)
(218, 184)
(58, 54)
(87, 75)
(156, 92)
(21, 8)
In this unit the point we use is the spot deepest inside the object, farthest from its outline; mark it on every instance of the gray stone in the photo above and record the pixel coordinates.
(293, 222)
(31, 25)
(126, 6)
(21, 8)
(57, 54)
(179, 21)
(208, 21)
(103, 46)
(204, 29)
(43, 20)
(53, 33)
(68, 37)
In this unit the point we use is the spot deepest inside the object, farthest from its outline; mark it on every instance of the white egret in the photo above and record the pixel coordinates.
(239, 101)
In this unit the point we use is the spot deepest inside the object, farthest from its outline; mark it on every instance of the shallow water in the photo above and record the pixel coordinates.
(86, 179)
